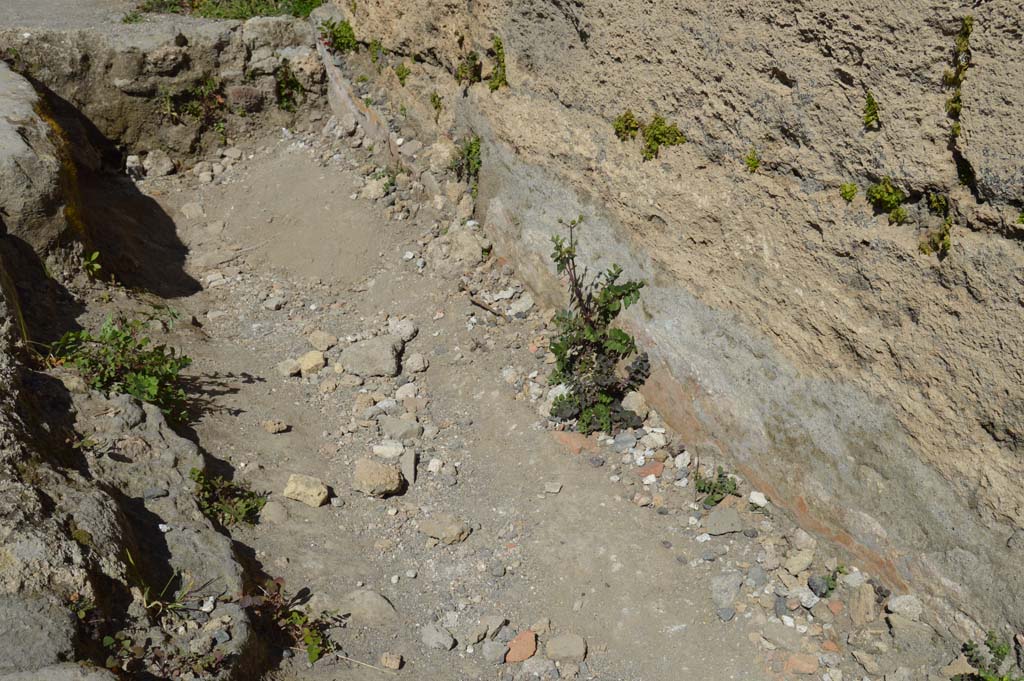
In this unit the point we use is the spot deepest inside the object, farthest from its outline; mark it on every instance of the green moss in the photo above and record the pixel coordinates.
(626, 126)
(897, 216)
(499, 77)
(871, 121)
(657, 134)
(884, 196)
(848, 190)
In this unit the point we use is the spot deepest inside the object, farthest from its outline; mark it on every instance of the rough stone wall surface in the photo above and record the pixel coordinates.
(876, 391)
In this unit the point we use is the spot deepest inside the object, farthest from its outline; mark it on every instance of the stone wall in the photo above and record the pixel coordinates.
(873, 390)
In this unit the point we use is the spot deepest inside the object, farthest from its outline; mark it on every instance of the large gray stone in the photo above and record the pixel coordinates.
(378, 356)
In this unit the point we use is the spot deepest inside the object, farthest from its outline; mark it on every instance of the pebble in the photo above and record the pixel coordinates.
(552, 487)
(274, 426)
(723, 521)
(522, 647)
(436, 637)
(392, 661)
(306, 489)
(494, 651)
(567, 647)
(445, 528)
(376, 479)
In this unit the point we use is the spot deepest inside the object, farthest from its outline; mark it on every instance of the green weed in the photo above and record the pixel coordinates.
(499, 77)
(287, 87)
(467, 162)
(848, 190)
(871, 121)
(132, 17)
(938, 204)
(626, 126)
(91, 264)
(988, 662)
(296, 626)
(469, 69)
(338, 36)
(120, 359)
(657, 134)
(886, 197)
(588, 349)
(437, 104)
(402, 71)
(232, 9)
(376, 50)
(939, 241)
(226, 502)
(716, 488)
(752, 160)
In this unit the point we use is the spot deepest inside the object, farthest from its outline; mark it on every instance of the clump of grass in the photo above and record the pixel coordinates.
(232, 9)
(132, 17)
(287, 87)
(226, 502)
(848, 190)
(886, 197)
(588, 349)
(402, 71)
(437, 104)
(121, 359)
(469, 70)
(871, 121)
(499, 77)
(659, 133)
(752, 160)
(626, 126)
(467, 162)
(338, 36)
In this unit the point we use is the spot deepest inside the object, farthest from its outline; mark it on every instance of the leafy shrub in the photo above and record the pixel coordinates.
(714, 489)
(626, 126)
(338, 36)
(226, 502)
(752, 160)
(499, 77)
(296, 626)
(848, 190)
(402, 71)
(886, 197)
(120, 359)
(203, 104)
(989, 662)
(658, 134)
(871, 112)
(469, 69)
(588, 349)
(287, 87)
(467, 162)
(938, 241)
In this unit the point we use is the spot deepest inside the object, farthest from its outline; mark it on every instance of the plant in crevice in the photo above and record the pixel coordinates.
(988, 663)
(848, 190)
(287, 87)
(402, 71)
(295, 625)
(871, 121)
(120, 359)
(338, 36)
(467, 162)
(752, 160)
(499, 77)
(886, 197)
(938, 241)
(437, 104)
(91, 264)
(588, 349)
(938, 204)
(376, 50)
(203, 104)
(226, 502)
(659, 133)
(626, 126)
(953, 78)
(714, 488)
(469, 70)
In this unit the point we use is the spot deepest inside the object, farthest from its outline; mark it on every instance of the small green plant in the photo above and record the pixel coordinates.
(1020, 218)
(120, 359)
(132, 17)
(233, 9)
(588, 349)
(287, 87)
(376, 50)
(80, 606)
(91, 264)
(657, 134)
(368, 100)
(467, 162)
(402, 71)
(848, 190)
(626, 126)
(989, 662)
(203, 104)
(714, 488)
(886, 197)
(296, 626)
(938, 204)
(437, 104)
(752, 160)
(953, 78)
(226, 502)
(469, 69)
(871, 121)
(499, 77)
(338, 36)
(938, 241)
(954, 104)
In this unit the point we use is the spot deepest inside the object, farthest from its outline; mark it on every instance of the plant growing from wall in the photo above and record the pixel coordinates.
(987, 662)
(938, 241)
(437, 104)
(91, 264)
(467, 162)
(848, 190)
(402, 71)
(120, 359)
(338, 36)
(953, 78)
(588, 349)
(626, 126)
(296, 626)
(871, 121)
(469, 69)
(226, 502)
(287, 87)
(752, 160)
(657, 134)
(376, 50)
(886, 197)
(499, 78)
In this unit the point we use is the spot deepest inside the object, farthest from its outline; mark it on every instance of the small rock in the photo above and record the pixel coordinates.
(758, 499)
(392, 661)
(274, 513)
(445, 528)
(567, 648)
(723, 521)
(726, 614)
(275, 426)
(405, 329)
(436, 637)
(416, 363)
(367, 608)
(801, 663)
(862, 605)
(273, 303)
(158, 164)
(389, 449)
(756, 577)
(407, 463)
(289, 367)
(192, 211)
(725, 587)
(521, 307)
(636, 403)
(307, 489)
(134, 168)
(522, 647)
(494, 651)
(322, 341)
(311, 362)
(373, 357)
(818, 585)
(552, 487)
(798, 561)
(908, 606)
(624, 441)
(399, 429)
(376, 479)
